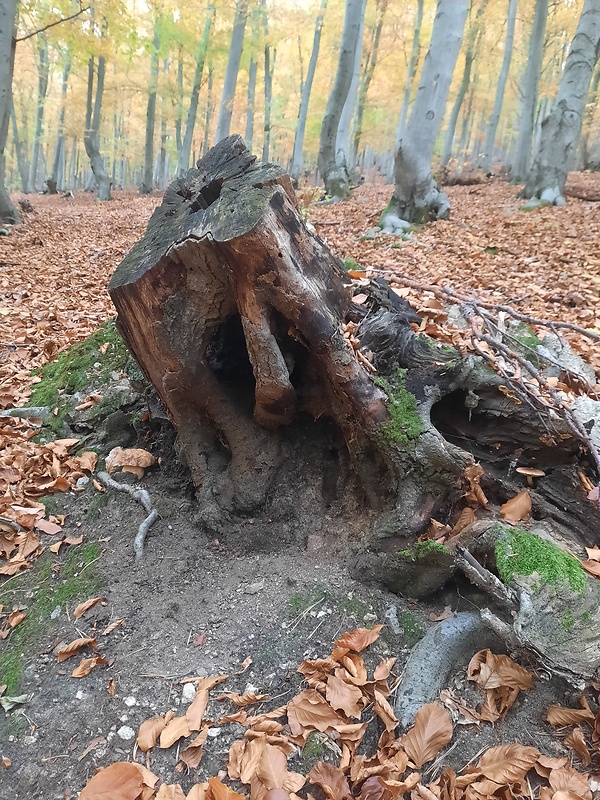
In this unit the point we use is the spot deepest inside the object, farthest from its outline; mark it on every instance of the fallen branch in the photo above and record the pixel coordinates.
(12, 524)
(142, 497)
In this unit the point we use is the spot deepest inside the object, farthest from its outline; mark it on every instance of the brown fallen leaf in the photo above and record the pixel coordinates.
(197, 792)
(75, 646)
(112, 687)
(177, 728)
(241, 700)
(82, 608)
(310, 711)
(245, 664)
(192, 754)
(170, 792)
(592, 567)
(6, 762)
(359, 639)
(508, 763)
(331, 780)
(113, 625)
(86, 665)
(445, 614)
(558, 715)
(491, 670)
(343, 696)
(517, 508)
(150, 730)
(576, 740)
(432, 730)
(567, 779)
(16, 618)
(45, 526)
(218, 791)
(119, 781)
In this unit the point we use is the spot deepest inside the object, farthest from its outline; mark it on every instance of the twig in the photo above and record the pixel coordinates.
(51, 25)
(485, 579)
(142, 497)
(12, 524)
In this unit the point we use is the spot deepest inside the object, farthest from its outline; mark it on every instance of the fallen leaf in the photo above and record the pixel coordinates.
(517, 508)
(113, 625)
(359, 639)
(6, 762)
(75, 646)
(310, 711)
(432, 730)
(445, 614)
(170, 792)
(85, 606)
(344, 696)
(558, 715)
(576, 740)
(87, 665)
(219, 791)
(331, 780)
(192, 754)
(119, 781)
(241, 700)
(16, 618)
(45, 526)
(112, 687)
(177, 728)
(149, 732)
(508, 763)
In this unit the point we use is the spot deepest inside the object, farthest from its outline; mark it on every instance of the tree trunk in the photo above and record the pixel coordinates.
(343, 146)
(19, 149)
(8, 16)
(186, 148)
(297, 154)
(209, 112)
(529, 90)
(367, 77)
(231, 73)
(179, 109)
(250, 106)
(410, 76)
(416, 197)
(91, 134)
(561, 129)
(334, 176)
(470, 55)
(590, 111)
(147, 184)
(59, 149)
(161, 169)
(242, 320)
(486, 161)
(269, 69)
(43, 65)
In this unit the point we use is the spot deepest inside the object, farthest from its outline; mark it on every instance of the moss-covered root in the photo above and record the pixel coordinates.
(404, 425)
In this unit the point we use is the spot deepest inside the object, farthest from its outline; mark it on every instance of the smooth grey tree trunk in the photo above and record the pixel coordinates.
(470, 54)
(269, 69)
(343, 150)
(412, 68)
(562, 127)
(589, 119)
(20, 151)
(416, 197)
(91, 134)
(43, 65)
(179, 107)
(186, 148)
(486, 160)
(250, 105)
(59, 149)
(529, 90)
(161, 169)
(334, 176)
(231, 72)
(367, 77)
(209, 112)
(297, 154)
(8, 17)
(147, 183)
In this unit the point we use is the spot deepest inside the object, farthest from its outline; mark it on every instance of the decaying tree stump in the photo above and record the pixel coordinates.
(237, 312)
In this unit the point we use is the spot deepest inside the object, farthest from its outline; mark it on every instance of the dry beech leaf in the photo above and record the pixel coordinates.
(272, 767)
(45, 526)
(360, 638)
(558, 715)
(442, 615)
(192, 754)
(86, 665)
(385, 712)
(120, 781)
(113, 625)
(593, 553)
(219, 791)
(172, 791)
(490, 671)
(197, 792)
(431, 732)
(309, 711)
(576, 740)
(344, 696)
(241, 700)
(112, 687)
(149, 732)
(6, 762)
(517, 508)
(176, 728)
(567, 779)
(16, 618)
(331, 780)
(75, 646)
(508, 763)
(591, 567)
(82, 608)
(383, 669)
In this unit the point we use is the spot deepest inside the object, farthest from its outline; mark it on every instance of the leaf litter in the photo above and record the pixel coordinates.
(257, 764)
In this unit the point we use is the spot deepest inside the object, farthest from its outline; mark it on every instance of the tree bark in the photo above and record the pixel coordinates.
(343, 143)
(231, 73)
(410, 76)
(209, 112)
(8, 17)
(250, 104)
(529, 90)
(269, 69)
(486, 161)
(59, 149)
(416, 197)
(589, 119)
(561, 129)
(43, 65)
(470, 55)
(367, 77)
(91, 134)
(147, 184)
(186, 148)
(297, 154)
(334, 176)
(19, 149)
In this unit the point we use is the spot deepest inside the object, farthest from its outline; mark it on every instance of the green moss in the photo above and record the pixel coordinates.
(78, 578)
(523, 553)
(412, 630)
(96, 503)
(350, 263)
(567, 621)
(526, 342)
(79, 367)
(404, 424)
(420, 550)
(313, 751)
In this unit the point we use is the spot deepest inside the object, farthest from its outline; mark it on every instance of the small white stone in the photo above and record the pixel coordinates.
(189, 690)
(126, 733)
(124, 718)
(214, 732)
(130, 701)
(80, 695)
(56, 613)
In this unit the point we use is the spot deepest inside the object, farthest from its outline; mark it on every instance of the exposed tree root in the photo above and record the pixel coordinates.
(142, 497)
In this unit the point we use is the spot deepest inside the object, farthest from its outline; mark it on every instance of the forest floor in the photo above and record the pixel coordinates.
(200, 606)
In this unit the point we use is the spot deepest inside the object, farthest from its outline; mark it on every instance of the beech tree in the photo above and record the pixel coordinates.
(335, 176)
(91, 134)
(147, 183)
(367, 75)
(8, 16)
(412, 68)
(343, 146)
(231, 73)
(562, 127)
(416, 197)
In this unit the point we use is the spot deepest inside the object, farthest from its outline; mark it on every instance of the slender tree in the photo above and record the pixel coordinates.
(54, 182)
(91, 134)
(589, 118)
(252, 70)
(147, 183)
(486, 160)
(209, 112)
(231, 72)
(297, 154)
(529, 89)
(20, 151)
(186, 148)
(8, 42)
(416, 197)
(410, 75)
(343, 148)
(270, 56)
(470, 54)
(43, 66)
(367, 76)
(335, 176)
(562, 127)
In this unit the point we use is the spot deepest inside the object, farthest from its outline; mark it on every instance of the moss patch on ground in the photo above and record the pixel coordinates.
(522, 553)
(421, 550)
(404, 424)
(78, 579)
